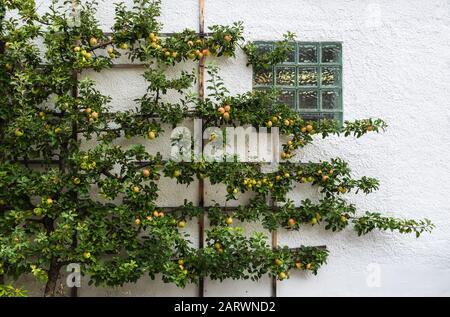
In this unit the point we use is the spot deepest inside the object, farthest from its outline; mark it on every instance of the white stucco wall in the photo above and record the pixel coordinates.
(396, 65)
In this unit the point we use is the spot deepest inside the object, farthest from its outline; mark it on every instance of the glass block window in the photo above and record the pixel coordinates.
(310, 81)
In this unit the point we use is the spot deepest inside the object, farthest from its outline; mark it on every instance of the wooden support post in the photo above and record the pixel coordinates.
(275, 153)
(274, 279)
(201, 94)
(74, 290)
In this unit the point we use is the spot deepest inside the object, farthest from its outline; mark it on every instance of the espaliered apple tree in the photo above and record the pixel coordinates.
(50, 215)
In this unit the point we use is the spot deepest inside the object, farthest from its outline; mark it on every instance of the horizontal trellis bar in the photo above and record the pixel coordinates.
(130, 65)
(146, 163)
(168, 34)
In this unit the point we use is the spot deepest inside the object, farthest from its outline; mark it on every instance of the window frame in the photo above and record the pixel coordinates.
(318, 111)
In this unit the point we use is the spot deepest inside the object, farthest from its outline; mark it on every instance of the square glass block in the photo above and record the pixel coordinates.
(285, 76)
(307, 76)
(263, 77)
(331, 53)
(331, 76)
(307, 99)
(287, 97)
(262, 48)
(263, 89)
(317, 116)
(307, 53)
(331, 100)
(291, 55)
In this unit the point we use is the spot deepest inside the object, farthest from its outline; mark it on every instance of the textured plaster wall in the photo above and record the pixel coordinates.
(396, 62)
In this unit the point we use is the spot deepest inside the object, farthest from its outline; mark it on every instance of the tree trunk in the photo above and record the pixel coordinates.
(53, 275)
(2, 17)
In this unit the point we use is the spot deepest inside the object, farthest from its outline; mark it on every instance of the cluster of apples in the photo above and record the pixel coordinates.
(304, 179)
(285, 155)
(155, 43)
(281, 275)
(325, 174)
(45, 202)
(224, 112)
(324, 177)
(87, 163)
(86, 54)
(298, 265)
(218, 247)
(232, 190)
(292, 222)
(181, 266)
(112, 53)
(314, 220)
(155, 214)
(276, 119)
(197, 50)
(282, 175)
(251, 182)
(198, 53)
(307, 129)
(292, 144)
(93, 43)
(168, 53)
(92, 115)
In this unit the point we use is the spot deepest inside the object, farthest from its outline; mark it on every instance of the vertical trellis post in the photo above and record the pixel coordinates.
(270, 202)
(74, 290)
(274, 279)
(201, 94)
(2, 49)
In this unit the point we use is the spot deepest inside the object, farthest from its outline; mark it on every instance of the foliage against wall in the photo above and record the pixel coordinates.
(49, 217)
